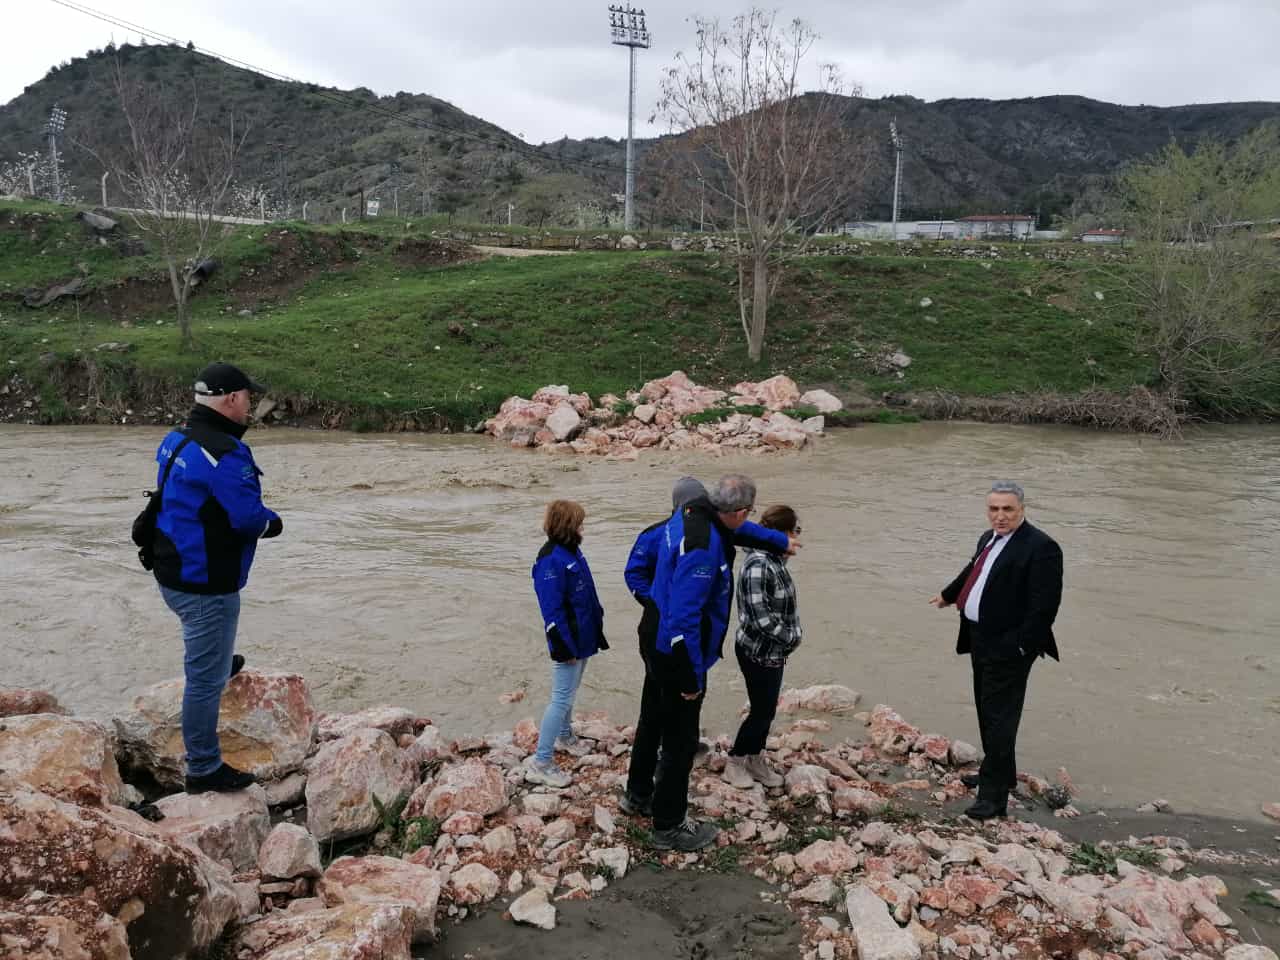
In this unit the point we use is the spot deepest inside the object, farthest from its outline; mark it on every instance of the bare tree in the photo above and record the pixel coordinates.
(765, 159)
(177, 172)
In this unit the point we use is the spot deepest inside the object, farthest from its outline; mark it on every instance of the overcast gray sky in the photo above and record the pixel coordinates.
(545, 70)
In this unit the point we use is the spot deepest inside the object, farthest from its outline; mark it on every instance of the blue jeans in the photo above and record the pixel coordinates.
(209, 635)
(565, 680)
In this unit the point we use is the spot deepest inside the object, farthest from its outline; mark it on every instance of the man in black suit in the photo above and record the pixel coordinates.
(1008, 596)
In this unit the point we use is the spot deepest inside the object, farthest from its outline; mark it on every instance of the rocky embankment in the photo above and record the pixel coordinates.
(671, 413)
(372, 831)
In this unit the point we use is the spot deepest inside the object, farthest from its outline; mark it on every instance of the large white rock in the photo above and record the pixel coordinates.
(172, 899)
(345, 775)
(822, 698)
(376, 880)
(266, 726)
(874, 930)
(822, 401)
(396, 721)
(64, 757)
(474, 883)
(356, 931)
(617, 859)
(41, 927)
(229, 827)
(1249, 951)
(536, 910)
(562, 423)
(289, 852)
(470, 785)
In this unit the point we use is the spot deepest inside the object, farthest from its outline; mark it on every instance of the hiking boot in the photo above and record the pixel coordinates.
(226, 779)
(634, 806)
(761, 772)
(737, 775)
(688, 837)
(572, 745)
(549, 775)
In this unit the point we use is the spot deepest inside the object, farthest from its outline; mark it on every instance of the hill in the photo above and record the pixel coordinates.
(324, 145)
(381, 325)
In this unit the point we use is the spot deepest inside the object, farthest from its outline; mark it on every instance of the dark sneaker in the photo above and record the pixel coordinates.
(226, 779)
(686, 838)
(634, 806)
(237, 664)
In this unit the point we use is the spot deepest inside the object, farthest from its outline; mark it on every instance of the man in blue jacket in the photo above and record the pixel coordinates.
(211, 518)
(693, 590)
(646, 753)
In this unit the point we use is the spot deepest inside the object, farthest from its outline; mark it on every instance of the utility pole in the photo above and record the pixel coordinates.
(898, 144)
(104, 188)
(284, 179)
(702, 204)
(510, 208)
(628, 27)
(57, 123)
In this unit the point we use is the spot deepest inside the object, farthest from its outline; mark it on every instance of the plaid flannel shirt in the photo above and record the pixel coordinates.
(768, 625)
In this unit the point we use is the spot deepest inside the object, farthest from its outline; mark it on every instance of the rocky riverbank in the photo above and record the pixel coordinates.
(375, 834)
(670, 413)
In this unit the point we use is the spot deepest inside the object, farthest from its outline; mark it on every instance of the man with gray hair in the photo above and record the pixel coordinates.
(1008, 596)
(693, 592)
(210, 519)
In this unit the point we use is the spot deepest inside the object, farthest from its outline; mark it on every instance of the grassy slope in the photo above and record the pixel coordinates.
(370, 332)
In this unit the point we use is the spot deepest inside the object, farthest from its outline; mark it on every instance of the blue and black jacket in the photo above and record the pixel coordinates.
(211, 514)
(642, 562)
(571, 611)
(693, 588)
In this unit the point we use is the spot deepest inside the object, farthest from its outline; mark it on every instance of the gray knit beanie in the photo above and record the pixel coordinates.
(686, 490)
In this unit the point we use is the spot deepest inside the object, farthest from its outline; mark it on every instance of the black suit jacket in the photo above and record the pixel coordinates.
(1020, 599)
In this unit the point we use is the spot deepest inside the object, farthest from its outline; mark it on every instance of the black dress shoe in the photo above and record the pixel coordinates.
(970, 780)
(983, 810)
(237, 664)
(226, 779)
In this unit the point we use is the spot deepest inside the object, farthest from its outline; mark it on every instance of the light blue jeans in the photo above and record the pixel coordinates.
(209, 635)
(565, 680)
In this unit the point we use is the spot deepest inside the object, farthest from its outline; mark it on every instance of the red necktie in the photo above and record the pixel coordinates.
(974, 574)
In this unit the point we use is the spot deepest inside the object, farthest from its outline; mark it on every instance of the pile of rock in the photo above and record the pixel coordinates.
(449, 826)
(654, 416)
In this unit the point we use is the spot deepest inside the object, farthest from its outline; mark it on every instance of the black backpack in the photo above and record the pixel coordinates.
(144, 524)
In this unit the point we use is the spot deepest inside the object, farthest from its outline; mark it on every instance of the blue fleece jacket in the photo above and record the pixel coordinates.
(211, 514)
(693, 588)
(571, 613)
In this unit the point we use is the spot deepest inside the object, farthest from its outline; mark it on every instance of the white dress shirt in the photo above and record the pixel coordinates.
(974, 600)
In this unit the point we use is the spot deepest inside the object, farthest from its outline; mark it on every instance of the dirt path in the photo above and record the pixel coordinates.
(648, 915)
(520, 252)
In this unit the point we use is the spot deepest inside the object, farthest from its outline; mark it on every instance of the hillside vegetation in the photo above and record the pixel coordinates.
(964, 156)
(388, 327)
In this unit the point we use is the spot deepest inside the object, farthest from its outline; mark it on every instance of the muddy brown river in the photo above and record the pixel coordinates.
(403, 577)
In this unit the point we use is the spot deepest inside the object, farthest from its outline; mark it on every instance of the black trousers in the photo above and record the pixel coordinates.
(644, 751)
(999, 690)
(763, 686)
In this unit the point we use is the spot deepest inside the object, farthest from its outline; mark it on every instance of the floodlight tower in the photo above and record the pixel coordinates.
(898, 144)
(56, 124)
(629, 30)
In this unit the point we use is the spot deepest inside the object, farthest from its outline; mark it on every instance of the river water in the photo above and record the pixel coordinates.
(403, 577)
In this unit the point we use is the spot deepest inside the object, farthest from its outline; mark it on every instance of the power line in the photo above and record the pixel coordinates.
(338, 97)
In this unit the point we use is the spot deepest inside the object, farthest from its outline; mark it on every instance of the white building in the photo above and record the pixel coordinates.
(1102, 236)
(998, 226)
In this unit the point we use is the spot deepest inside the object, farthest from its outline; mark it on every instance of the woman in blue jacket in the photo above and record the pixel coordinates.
(574, 624)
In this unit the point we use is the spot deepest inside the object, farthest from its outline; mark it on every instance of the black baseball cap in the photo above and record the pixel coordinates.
(219, 379)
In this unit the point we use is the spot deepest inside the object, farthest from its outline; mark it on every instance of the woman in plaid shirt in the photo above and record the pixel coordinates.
(768, 631)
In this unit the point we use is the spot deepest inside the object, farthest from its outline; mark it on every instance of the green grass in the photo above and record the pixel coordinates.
(353, 325)
(1260, 898)
(1088, 858)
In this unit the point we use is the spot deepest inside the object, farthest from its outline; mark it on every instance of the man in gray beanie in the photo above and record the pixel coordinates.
(641, 564)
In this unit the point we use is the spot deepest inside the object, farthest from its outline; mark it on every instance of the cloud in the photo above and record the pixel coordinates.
(550, 70)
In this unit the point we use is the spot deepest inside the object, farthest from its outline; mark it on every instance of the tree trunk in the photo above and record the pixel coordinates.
(180, 302)
(759, 307)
